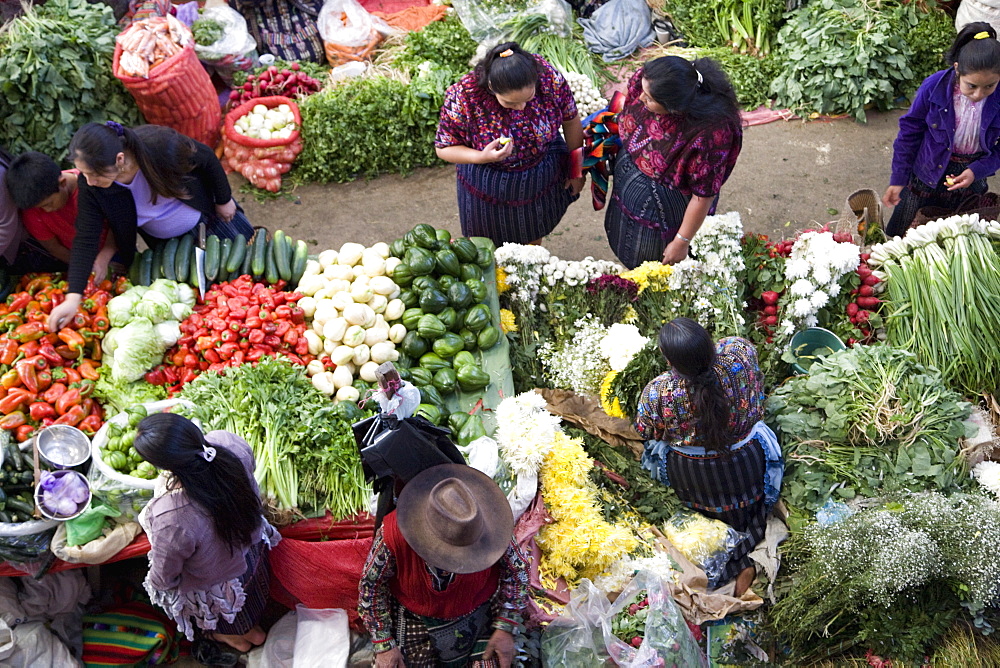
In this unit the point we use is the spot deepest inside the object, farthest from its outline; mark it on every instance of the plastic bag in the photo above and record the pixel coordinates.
(482, 20)
(666, 639)
(235, 51)
(707, 543)
(322, 638)
(261, 161)
(26, 548)
(278, 651)
(32, 644)
(112, 540)
(349, 32)
(576, 638)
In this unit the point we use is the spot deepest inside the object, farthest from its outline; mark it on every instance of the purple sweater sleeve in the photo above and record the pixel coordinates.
(170, 546)
(912, 126)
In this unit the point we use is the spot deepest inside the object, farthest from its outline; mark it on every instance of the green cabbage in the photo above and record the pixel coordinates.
(168, 332)
(139, 348)
(154, 306)
(120, 308)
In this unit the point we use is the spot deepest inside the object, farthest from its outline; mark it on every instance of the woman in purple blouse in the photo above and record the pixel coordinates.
(209, 542)
(681, 134)
(500, 125)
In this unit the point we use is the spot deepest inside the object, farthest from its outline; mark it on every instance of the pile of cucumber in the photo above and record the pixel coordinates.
(270, 260)
(17, 479)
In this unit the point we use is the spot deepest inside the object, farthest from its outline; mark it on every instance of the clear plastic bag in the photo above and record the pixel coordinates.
(707, 543)
(484, 21)
(576, 637)
(235, 51)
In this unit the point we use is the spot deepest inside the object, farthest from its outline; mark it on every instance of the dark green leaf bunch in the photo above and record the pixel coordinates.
(751, 76)
(445, 43)
(930, 40)
(55, 75)
(840, 56)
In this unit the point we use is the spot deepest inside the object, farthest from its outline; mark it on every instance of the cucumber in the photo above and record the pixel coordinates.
(14, 457)
(182, 261)
(225, 248)
(146, 267)
(133, 271)
(169, 269)
(193, 268)
(213, 251)
(271, 268)
(18, 506)
(245, 267)
(259, 253)
(299, 259)
(158, 251)
(288, 251)
(238, 250)
(282, 259)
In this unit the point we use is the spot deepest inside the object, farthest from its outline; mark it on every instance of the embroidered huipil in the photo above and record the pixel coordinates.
(471, 116)
(695, 166)
(376, 602)
(665, 407)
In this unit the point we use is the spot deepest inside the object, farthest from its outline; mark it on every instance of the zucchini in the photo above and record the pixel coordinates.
(169, 268)
(182, 261)
(282, 261)
(13, 456)
(288, 251)
(236, 253)
(4, 517)
(20, 507)
(299, 259)
(259, 252)
(146, 267)
(158, 251)
(213, 251)
(271, 265)
(225, 248)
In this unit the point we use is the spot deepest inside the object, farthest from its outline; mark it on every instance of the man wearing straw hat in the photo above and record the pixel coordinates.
(445, 582)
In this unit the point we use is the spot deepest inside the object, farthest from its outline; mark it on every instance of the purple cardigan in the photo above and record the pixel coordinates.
(927, 132)
(185, 552)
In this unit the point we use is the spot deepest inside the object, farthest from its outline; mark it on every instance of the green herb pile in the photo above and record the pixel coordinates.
(868, 421)
(445, 43)
(891, 579)
(207, 31)
(751, 76)
(841, 55)
(305, 452)
(749, 26)
(696, 21)
(628, 385)
(55, 73)
(930, 39)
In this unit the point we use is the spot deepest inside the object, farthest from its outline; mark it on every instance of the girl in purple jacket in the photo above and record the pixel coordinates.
(948, 141)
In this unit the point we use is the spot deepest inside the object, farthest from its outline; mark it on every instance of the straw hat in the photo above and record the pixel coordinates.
(456, 518)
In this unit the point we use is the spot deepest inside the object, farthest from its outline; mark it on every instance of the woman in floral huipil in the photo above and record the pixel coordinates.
(680, 134)
(518, 190)
(704, 437)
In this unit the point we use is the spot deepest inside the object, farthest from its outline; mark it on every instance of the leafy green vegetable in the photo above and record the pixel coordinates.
(207, 31)
(55, 74)
(841, 55)
(445, 43)
(696, 21)
(119, 396)
(751, 76)
(138, 349)
(933, 35)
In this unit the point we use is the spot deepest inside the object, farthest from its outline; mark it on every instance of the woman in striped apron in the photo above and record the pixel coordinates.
(500, 126)
(701, 421)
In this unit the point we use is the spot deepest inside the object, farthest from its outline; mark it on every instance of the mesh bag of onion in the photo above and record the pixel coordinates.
(262, 147)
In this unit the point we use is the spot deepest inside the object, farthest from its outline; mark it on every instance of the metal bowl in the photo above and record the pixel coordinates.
(61, 518)
(63, 447)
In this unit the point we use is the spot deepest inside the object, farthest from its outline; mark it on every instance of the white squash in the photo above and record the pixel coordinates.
(347, 393)
(361, 292)
(367, 372)
(378, 303)
(373, 263)
(362, 354)
(382, 248)
(384, 352)
(310, 285)
(315, 367)
(338, 285)
(359, 314)
(318, 326)
(382, 285)
(375, 335)
(313, 268)
(324, 293)
(324, 382)
(342, 377)
(395, 293)
(335, 271)
(329, 345)
(308, 306)
(390, 264)
(394, 310)
(335, 329)
(342, 300)
(354, 336)
(341, 355)
(350, 253)
(397, 333)
(328, 257)
(315, 343)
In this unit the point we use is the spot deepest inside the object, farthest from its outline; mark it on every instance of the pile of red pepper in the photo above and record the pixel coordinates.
(238, 323)
(48, 377)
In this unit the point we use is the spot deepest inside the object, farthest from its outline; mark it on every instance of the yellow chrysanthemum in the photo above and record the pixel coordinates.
(610, 404)
(508, 323)
(631, 316)
(653, 275)
(502, 284)
(579, 542)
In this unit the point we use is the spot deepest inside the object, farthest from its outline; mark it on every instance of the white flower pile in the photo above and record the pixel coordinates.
(621, 572)
(588, 97)
(533, 271)
(988, 475)
(525, 431)
(620, 345)
(577, 364)
(814, 271)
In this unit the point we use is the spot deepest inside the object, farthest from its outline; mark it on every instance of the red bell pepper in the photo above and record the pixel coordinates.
(29, 331)
(90, 425)
(40, 410)
(53, 393)
(273, 341)
(72, 417)
(87, 370)
(48, 351)
(100, 321)
(12, 401)
(19, 301)
(81, 321)
(87, 388)
(70, 337)
(30, 349)
(8, 351)
(66, 400)
(44, 380)
(12, 421)
(70, 352)
(301, 346)
(256, 336)
(72, 375)
(10, 379)
(27, 373)
(171, 375)
(212, 356)
(24, 432)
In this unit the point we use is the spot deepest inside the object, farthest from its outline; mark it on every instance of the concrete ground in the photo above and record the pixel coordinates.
(790, 175)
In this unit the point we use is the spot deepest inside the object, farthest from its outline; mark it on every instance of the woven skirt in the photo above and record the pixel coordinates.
(515, 207)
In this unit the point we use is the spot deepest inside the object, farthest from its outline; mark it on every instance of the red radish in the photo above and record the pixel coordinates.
(869, 302)
(771, 320)
(866, 291)
(864, 270)
(871, 279)
(862, 317)
(851, 342)
(296, 66)
(770, 297)
(770, 309)
(865, 257)
(852, 309)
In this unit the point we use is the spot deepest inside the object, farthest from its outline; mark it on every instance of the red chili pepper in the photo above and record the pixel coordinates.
(294, 359)
(282, 328)
(253, 322)
(212, 356)
(291, 337)
(301, 346)
(44, 380)
(30, 349)
(273, 341)
(96, 409)
(40, 363)
(87, 370)
(100, 321)
(238, 358)
(27, 372)
(40, 410)
(81, 321)
(188, 375)
(218, 367)
(67, 400)
(105, 285)
(72, 417)
(69, 352)
(121, 285)
(72, 375)
(190, 361)
(53, 393)
(283, 312)
(87, 388)
(269, 328)
(24, 432)
(229, 336)
(48, 351)
(29, 331)
(10, 379)
(88, 405)
(19, 301)
(12, 401)
(256, 336)
(293, 296)
(8, 351)
(298, 315)
(12, 421)
(90, 425)
(96, 352)
(70, 337)
(171, 375)
(156, 376)
(255, 355)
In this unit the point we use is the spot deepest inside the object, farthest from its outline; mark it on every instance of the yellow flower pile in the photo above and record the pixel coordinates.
(653, 275)
(695, 536)
(579, 542)
(508, 323)
(502, 284)
(610, 403)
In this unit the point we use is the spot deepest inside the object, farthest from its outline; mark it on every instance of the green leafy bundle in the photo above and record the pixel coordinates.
(865, 422)
(445, 43)
(841, 55)
(628, 385)
(933, 35)
(566, 53)
(751, 76)
(303, 448)
(55, 74)
(207, 31)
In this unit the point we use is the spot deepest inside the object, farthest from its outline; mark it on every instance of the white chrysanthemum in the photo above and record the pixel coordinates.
(802, 288)
(819, 299)
(833, 290)
(797, 268)
(525, 431)
(821, 274)
(620, 345)
(802, 307)
(811, 321)
(988, 475)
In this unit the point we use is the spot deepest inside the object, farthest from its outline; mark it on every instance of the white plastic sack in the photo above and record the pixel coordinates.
(235, 40)
(322, 638)
(355, 31)
(279, 649)
(32, 644)
(523, 493)
(482, 454)
(971, 11)
(11, 612)
(405, 401)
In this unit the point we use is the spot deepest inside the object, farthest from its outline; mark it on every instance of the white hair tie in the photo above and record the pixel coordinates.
(700, 80)
(208, 453)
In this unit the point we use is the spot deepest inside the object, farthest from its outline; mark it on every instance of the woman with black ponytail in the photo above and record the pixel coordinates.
(680, 134)
(701, 421)
(150, 180)
(208, 562)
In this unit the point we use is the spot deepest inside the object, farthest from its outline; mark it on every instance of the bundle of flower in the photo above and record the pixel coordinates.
(891, 579)
(942, 282)
(764, 278)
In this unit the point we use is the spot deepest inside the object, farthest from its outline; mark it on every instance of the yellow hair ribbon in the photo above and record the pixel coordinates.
(978, 35)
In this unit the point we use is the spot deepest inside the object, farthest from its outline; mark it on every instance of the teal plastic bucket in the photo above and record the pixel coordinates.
(809, 344)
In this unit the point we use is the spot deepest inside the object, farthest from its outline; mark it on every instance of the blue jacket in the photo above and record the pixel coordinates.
(927, 132)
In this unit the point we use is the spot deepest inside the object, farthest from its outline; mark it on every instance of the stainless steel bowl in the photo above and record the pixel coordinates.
(63, 447)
